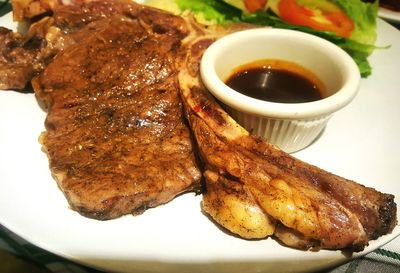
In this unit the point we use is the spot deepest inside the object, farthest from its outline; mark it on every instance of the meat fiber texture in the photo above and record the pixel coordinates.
(116, 137)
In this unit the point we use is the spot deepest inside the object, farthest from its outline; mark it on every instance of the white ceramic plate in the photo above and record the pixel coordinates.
(360, 143)
(390, 15)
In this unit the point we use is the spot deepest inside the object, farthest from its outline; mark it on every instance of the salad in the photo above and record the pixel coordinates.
(350, 24)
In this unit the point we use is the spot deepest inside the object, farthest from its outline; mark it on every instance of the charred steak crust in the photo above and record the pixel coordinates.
(17, 59)
(116, 137)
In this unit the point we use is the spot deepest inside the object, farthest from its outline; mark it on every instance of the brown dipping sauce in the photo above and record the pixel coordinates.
(276, 81)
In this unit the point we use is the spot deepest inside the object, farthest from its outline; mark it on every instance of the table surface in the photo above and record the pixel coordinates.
(18, 255)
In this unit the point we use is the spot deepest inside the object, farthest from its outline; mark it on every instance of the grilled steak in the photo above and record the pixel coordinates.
(256, 190)
(118, 141)
(116, 138)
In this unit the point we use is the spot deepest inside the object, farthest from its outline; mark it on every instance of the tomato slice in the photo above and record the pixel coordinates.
(322, 15)
(254, 5)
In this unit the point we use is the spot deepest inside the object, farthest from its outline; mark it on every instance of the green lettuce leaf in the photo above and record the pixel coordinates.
(364, 17)
(359, 46)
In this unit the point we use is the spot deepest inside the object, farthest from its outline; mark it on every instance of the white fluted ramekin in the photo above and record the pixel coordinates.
(290, 126)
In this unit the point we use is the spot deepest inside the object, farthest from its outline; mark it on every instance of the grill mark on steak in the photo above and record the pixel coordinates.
(55, 27)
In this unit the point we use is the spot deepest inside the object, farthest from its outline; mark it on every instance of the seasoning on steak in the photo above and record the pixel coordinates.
(18, 57)
(116, 137)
